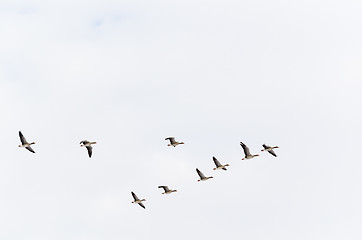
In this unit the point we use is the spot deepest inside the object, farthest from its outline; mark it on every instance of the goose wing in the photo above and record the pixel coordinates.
(200, 173)
(30, 149)
(266, 146)
(272, 152)
(134, 196)
(217, 163)
(246, 149)
(172, 140)
(89, 149)
(164, 188)
(22, 138)
(141, 204)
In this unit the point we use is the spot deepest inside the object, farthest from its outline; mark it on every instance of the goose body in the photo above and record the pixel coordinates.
(88, 145)
(219, 165)
(247, 152)
(137, 200)
(202, 176)
(167, 190)
(173, 142)
(24, 143)
(269, 149)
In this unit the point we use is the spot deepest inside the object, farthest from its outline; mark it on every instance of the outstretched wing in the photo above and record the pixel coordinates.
(200, 173)
(30, 149)
(217, 163)
(266, 146)
(89, 148)
(141, 204)
(22, 138)
(172, 140)
(246, 149)
(272, 152)
(134, 196)
(164, 188)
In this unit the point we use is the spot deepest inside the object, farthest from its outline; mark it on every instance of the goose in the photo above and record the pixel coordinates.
(202, 176)
(167, 190)
(137, 200)
(247, 152)
(24, 143)
(269, 149)
(88, 145)
(173, 142)
(218, 164)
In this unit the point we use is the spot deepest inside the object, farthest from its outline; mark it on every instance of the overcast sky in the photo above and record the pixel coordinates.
(128, 74)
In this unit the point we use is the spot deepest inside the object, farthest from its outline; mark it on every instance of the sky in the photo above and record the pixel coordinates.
(128, 74)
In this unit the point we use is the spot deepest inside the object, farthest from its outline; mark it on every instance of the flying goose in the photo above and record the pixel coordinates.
(269, 149)
(173, 142)
(167, 190)
(202, 176)
(24, 143)
(247, 152)
(88, 145)
(218, 164)
(137, 200)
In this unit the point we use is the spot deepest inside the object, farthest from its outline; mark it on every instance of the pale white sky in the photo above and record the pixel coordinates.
(127, 74)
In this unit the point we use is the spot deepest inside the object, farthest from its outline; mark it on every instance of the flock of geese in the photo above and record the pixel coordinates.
(88, 145)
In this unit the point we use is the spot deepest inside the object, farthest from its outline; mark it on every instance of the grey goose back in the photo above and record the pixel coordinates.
(247, 152)
(24, 143)
(219, 165)
(88, 145)
(167, 190)
(202, 176)
(137, 200)
(269, 149)
(173, 142)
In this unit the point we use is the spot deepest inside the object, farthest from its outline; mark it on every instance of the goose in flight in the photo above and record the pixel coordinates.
(88, 145)
(173, 142)
(247, 152)
(24, 143)
(202, 176)
(218, 164)
(269, 149)
(137, 200)
(167, 190)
